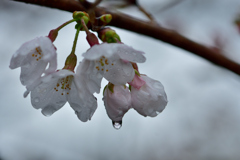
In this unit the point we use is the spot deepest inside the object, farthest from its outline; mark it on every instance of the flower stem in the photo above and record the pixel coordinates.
(71, 60)
(64, 24)
(75, 40)
(84, 26)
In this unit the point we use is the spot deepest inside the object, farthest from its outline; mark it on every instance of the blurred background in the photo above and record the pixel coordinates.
(200, 122)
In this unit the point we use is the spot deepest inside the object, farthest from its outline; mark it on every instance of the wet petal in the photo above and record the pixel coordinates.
(90, 74)
(119, 72)
(117, 103)
(110, 49)
(150, 99)
(51, 94)
(33, 57)
(128, 53)
(82, 101)
(97, 51)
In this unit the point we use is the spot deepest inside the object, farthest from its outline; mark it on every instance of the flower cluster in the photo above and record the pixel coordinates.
(50, 88)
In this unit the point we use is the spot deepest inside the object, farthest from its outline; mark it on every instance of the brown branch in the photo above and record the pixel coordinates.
(124, 21)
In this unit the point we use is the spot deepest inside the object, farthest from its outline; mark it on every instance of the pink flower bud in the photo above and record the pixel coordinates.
(117, 103)
(150, 99)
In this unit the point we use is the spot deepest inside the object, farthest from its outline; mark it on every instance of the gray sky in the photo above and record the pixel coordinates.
(201, 120)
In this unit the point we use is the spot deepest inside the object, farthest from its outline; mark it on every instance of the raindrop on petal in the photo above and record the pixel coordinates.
(48, 111)
(36, 99)
(117, 125)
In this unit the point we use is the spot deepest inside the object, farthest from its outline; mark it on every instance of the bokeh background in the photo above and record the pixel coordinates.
(200, 122)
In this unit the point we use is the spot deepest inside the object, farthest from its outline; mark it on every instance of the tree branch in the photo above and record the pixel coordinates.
(124, 21)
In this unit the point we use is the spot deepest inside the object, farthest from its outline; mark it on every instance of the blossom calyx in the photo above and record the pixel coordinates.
(92, 39)
(70, 62)
(53, 34)
(137, 81)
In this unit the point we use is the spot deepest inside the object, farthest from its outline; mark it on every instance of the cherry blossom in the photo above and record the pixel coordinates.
(150, 99)
(33, 58)
(55, 89)
(111, 61)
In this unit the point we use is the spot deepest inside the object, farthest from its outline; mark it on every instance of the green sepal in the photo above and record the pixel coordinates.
(104, 89)
(110, 87)
(130, 87)
(70, 62)
(136, 72)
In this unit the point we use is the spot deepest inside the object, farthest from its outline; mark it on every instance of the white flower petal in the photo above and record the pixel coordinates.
(117, 103)
(50, 95)
(109, 49)
(20, 55)
(92, 77)
(97, 51)
(150, 99)
(128, 53)
(119, 73)
(82, 101)
(33, 57)
(31, 72)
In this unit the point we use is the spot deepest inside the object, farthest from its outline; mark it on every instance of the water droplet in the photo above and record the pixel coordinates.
(36, 99)
(48, 111)
(117, 125)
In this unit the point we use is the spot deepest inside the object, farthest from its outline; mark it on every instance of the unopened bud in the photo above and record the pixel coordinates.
(78, 15)
(108, 35)
(53, 35)
(106, 18)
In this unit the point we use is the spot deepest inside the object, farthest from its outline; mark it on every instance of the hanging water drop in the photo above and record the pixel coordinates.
(117, 125)
(48, 111)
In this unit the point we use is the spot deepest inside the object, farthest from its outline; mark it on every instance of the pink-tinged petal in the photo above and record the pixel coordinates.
(150, 99)
(137, 82)
(81, 100)
(51, 94)
(117, 103)
(110, 49)
(119, 72)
